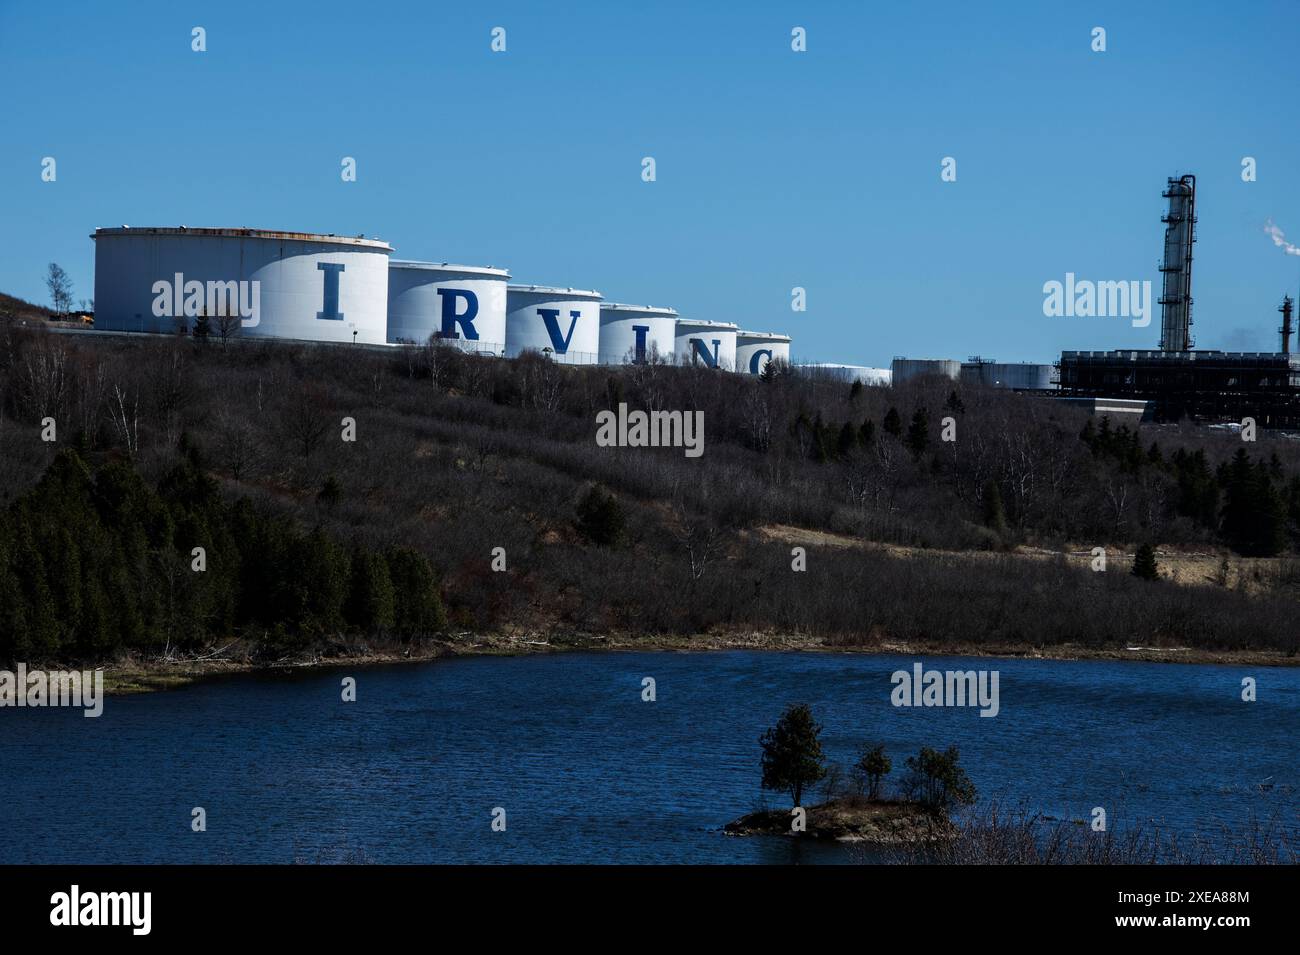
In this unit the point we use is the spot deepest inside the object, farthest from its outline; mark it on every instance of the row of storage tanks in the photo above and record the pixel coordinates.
(331, 288)
(1016, 376)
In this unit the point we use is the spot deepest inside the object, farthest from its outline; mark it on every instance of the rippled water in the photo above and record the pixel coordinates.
(587, 772)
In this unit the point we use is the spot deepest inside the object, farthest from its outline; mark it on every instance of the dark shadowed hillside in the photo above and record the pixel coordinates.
(908, 537)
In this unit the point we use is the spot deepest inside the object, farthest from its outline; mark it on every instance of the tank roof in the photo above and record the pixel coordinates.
(554, 290)
(699, 323)
(448, 267)
(621, 307)
(775, 336)
(359, 240)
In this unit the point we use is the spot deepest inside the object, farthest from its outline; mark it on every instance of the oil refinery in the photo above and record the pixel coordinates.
(331, 288)
(1174, 380)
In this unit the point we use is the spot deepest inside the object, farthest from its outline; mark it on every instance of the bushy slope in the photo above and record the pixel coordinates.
(457, 457)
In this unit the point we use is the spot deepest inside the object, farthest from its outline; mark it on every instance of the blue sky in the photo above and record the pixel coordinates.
(775, 169)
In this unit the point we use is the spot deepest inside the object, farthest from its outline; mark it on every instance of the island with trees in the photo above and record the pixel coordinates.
(855, 806)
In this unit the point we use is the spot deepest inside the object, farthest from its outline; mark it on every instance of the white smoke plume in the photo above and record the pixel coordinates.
(1279, 239)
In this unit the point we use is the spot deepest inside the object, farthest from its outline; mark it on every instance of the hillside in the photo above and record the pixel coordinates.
(907, 538)
(17, 310)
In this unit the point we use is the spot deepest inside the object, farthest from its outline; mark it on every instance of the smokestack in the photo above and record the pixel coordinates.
(1176, 295)
(1286, 324)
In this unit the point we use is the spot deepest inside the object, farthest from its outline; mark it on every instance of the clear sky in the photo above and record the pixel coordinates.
(775, 169)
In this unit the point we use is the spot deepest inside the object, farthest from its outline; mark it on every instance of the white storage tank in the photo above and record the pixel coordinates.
(847, 373)
(636, 333)
(712, 344)
(464, 305)
(296, 285)
(1017, 376)
(561, 322)
(755, 349)
(906, 368)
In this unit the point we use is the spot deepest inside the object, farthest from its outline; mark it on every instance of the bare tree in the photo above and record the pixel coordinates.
(542, 381)
(238, 446)
(697, 535)
(91, 389)
(438, 359)
(757, 412)
(227, 326)
(125, 415)
(307, 418)
(1116, 491)
(60, 286)
(43, 381)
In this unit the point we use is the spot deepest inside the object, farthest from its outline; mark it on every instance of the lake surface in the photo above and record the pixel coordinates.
(587, 772)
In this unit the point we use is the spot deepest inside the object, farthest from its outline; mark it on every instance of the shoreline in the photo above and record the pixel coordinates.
(144, 676)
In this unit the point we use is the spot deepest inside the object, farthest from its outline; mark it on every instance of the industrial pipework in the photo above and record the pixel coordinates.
(1180, 233)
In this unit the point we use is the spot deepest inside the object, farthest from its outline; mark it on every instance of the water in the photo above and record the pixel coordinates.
(587, 772)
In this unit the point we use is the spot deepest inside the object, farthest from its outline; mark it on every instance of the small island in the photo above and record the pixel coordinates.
(884, 822)
(854, 809)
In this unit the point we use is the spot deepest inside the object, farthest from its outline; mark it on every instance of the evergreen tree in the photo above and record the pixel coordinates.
(792, 753)
(1253, 516)
(600, 517)
(1089, 435)
(848, 439)
(937, 781)
(371, 601)
(893, 424)
(331, 492)
(995, 515)
(1144, 563)
(418, 608)
(918, 432)
(874, 766)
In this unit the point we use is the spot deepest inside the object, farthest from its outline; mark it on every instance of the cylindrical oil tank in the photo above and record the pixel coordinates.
(1017, 376)
(847, 373)
(711, 344)
(636, 333)
(463, 305)
(906, 368)
(755, 349)
(561, 322)
(294, 285)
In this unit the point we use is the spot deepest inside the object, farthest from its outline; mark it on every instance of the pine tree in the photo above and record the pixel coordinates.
(1144, 563)
(848, 439)
(918, 432)
(995, 515)
(1089, 435)
(893, 424)
(792, 753)
(418, 609)
(600, 517)
(371, 600)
